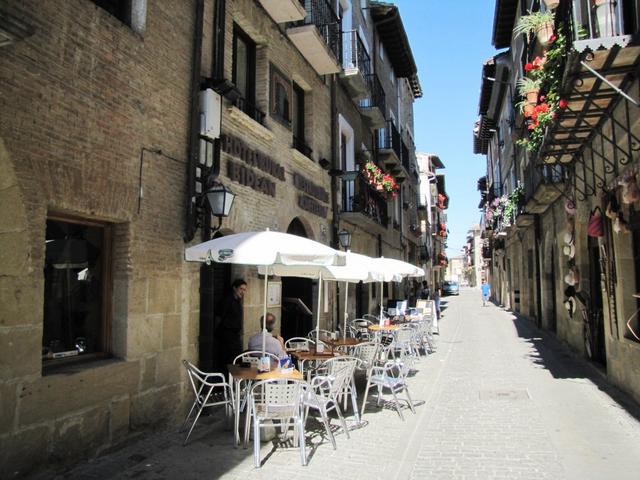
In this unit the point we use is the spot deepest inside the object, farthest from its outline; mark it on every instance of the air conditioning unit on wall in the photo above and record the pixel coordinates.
(210, 113)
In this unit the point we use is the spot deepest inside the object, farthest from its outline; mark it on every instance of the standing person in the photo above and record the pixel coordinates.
(436, 301)
(228, 339)
(486, 292)
(273, 343)
(424, 291)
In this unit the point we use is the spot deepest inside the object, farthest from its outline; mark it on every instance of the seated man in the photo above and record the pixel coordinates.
(273, 343)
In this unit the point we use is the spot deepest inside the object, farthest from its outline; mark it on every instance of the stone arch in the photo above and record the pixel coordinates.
(301, 227)
(294, 321)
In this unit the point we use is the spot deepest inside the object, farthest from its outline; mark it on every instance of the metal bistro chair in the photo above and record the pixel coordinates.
(392, 376)
(323, 333)
(326, 390)
(360, 327)
(210, 389)
(299, 344)
(277, 402)
(251, 357)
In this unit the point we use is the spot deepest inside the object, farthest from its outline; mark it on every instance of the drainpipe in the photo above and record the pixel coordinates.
(194, 124)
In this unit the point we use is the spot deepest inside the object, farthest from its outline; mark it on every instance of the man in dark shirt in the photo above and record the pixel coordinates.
(228, 332)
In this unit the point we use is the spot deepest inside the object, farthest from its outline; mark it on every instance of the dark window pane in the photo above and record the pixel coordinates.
(74, 281)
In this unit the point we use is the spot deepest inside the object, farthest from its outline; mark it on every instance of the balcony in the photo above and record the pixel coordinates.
(300, 145)
(389, 145)
(250, 109)
(362, 204)
(543, 185)
(374, 107)
(318, 36)
(606, 39)
(284, 10)
(356, 65)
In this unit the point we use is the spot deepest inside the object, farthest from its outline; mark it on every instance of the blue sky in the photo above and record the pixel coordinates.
(449, 45)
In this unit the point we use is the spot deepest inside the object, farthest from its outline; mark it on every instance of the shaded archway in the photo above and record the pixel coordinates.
(297, 296)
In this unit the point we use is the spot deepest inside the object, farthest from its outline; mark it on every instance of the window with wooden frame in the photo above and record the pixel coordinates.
(77, 289)
(244, 73)
(280, 96)
(298, 121)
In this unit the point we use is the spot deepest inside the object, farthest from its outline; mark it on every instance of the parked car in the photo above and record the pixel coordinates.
(450, 288)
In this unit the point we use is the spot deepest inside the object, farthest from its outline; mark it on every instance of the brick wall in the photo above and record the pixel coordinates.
(81, 98)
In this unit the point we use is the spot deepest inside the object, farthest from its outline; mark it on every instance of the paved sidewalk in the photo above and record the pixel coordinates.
(502, 400)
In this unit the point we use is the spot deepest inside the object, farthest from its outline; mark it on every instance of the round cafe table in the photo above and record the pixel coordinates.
(385, 328)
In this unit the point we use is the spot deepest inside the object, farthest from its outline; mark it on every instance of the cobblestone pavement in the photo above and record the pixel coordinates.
(498, 399)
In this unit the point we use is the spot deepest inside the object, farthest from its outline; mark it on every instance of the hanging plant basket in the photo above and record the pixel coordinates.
(544, 32)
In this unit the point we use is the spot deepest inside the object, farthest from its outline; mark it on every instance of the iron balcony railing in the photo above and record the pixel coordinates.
(406, 159)
(377, 97)
(602, 19)
(250, 109)
(389, 139)
(542, 175)
(358, 196)
(321, 14)
(354, 53)
(300, 145)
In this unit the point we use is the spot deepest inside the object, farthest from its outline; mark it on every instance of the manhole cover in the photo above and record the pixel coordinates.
(504, 394)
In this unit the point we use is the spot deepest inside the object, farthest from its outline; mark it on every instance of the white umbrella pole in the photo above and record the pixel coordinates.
(381, 299)
(346, 291)
(319, 300)
(264, 312)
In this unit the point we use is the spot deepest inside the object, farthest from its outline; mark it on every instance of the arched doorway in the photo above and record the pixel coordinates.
(215, 283)
(297, 296)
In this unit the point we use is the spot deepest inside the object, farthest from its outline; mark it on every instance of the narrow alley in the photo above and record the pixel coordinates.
(498, 399)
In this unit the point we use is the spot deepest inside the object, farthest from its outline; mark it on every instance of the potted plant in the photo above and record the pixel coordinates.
(540, 23)
(529, 88)
(606, 17)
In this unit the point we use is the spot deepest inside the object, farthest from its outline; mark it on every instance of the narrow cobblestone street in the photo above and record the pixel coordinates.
(501, 400)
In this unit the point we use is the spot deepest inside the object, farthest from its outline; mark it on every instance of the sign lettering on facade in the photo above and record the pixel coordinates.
(307, 186)
(310, 205)
(245, 176)
(237, 148)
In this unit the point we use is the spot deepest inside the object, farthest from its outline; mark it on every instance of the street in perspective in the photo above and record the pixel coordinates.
(320, 239)
(497, 398)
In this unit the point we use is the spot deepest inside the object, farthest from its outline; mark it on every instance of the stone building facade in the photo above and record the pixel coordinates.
(544, 183)
(103, 163)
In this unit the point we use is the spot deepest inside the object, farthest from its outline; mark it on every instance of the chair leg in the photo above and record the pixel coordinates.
(303, 453)
(344, 423)
(406, 389)
(195, 420)
(184, 424)
(247, 422)
(354, 404)
(397, 403)
(256, 443)
(327, 427)
(364, 400)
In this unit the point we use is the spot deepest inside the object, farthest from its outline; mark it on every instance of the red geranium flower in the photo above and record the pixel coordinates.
(552, 38)
(528, 67)
(563, 103)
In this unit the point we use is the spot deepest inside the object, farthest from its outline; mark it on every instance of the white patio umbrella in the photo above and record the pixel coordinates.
(268, 249)
(394, 271)
(357, 268)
